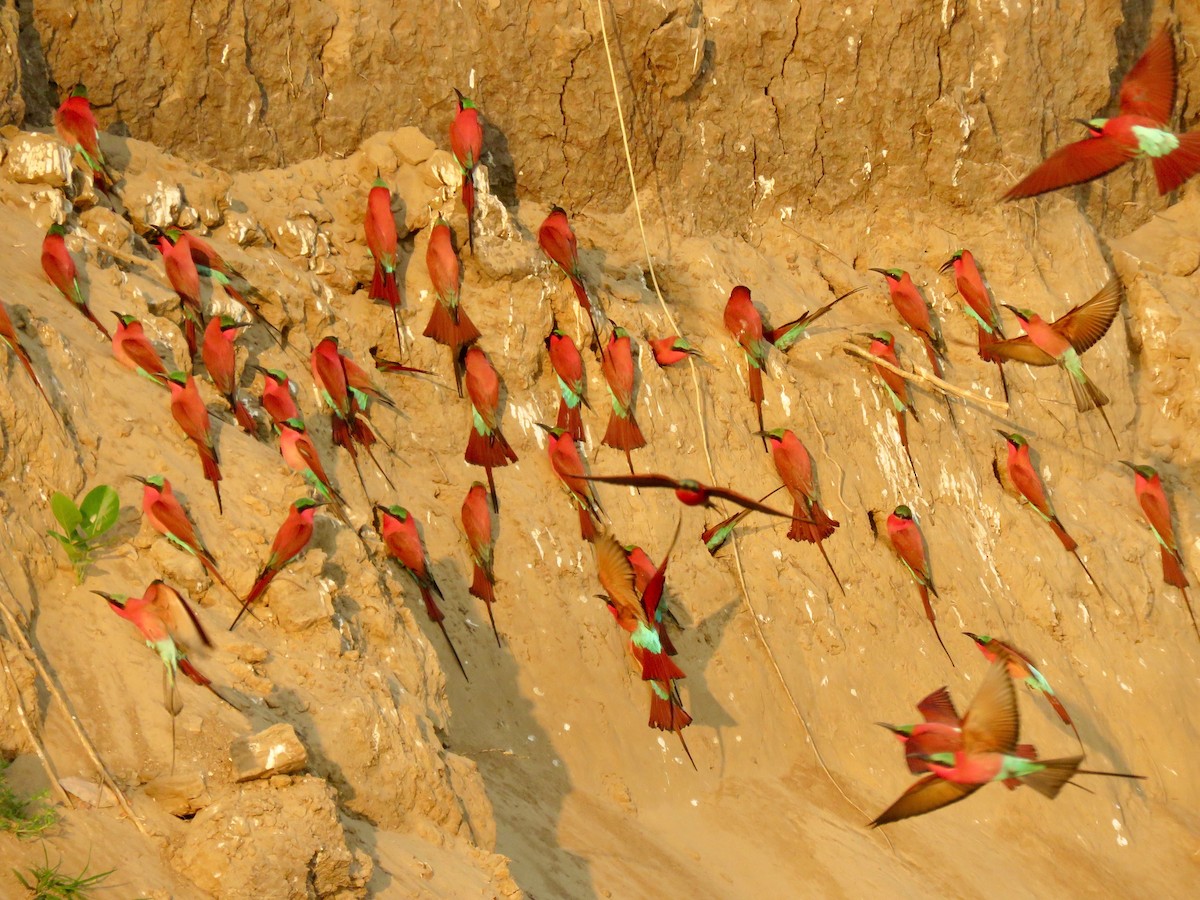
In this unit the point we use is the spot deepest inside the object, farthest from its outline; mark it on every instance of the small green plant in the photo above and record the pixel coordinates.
(49, 883)
(83, 525)
(24, 818)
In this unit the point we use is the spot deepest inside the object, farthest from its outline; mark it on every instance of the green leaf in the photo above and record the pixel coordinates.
(65, 510)
(100, 509)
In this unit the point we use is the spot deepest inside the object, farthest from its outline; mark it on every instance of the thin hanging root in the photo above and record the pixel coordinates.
(637, 208)
(88, 747)
(920, 376)
(47, 766)
(1188, 601)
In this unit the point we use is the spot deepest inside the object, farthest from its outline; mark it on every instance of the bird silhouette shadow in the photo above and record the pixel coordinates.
(526, 783)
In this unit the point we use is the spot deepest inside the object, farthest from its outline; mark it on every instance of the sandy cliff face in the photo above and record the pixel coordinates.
(787, 149)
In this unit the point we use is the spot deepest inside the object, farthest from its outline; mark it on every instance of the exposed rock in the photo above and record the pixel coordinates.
(273, 842)
(181, 794)
(274, 751)
(39, 159)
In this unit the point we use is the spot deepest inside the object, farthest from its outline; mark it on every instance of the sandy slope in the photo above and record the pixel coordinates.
(544, 757)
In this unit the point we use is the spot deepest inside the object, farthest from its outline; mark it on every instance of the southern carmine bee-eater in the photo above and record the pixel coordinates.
(913, 309)
(979, 306)
(185, 280)
(60, 269)
(211, 264)
(645, 579)
(557, 240)
(220, 359)
(941, 732)
(290, 540)
(883, 346)
(795, 469)
(1152, 498)
(1021, 668)
(300, 454)
(568, 466)
(617, 577)
(166, 515)
(989, 752)
(189, 411)
(347, 389)
(8, 335)
(568, 370)
(398, 530)
(133, 349)
(466, 143)
(76, 125)
(449, 324)
(716, 536)
(745, 324)
(910, 547)
(277, 397)
(392, 366)
(1063, 341)
(169, 626)
(691, 493)
(486, 445)
(671, 350)
(382, 242)
(1028, 482)
(477, 525)
(623, 432)
(1139, 131)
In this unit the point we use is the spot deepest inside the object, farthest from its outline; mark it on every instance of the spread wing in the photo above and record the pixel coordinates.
(177, 615)
(991, 724)
(1086, 324)
(616, 574)
(1149, 88)
(938, 707)
(651, 481)
(924, 796)
(1021, 349)
(1073, 164)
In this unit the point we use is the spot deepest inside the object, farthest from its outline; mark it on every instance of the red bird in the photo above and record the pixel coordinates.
(568, 368)
(277, 396)
(448, 321)
(810, 522)
(133, 349)
(291, 539)
(167, 516)
(189, 411)
(477, 524)
(1152, 498)
(486, 445)
(1139, 131)
(568, 466)
(76, 125)
(743, 321)
(883, 346)
(557, 241)
(623, 432)
(380, 228)
(185, 279)
(973, 290)
(670, 350)
(403, 543)
(8, 335)
(60, 269)
(910, 547)
(1029, 484)
(220, 358)
(466, 143)
(915, 312)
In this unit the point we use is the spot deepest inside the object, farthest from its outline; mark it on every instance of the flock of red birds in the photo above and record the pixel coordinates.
(947, 749)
